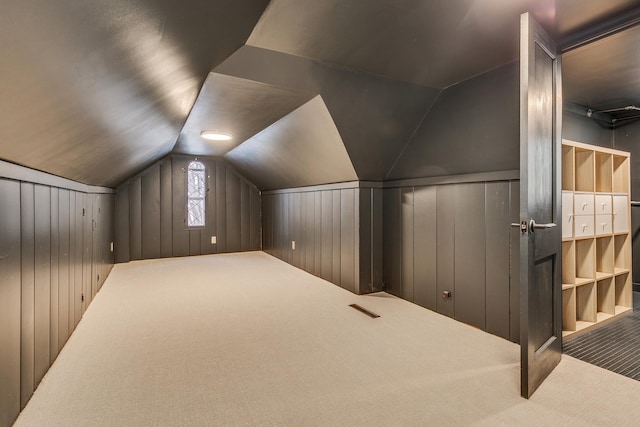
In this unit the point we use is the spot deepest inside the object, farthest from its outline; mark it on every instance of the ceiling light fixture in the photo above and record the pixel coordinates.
(215, 136)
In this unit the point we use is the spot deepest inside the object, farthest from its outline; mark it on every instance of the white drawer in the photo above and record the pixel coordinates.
(583, 204)
(603, 224)
(583, 225)
(603, 204)
(567, 214)
(620, 214)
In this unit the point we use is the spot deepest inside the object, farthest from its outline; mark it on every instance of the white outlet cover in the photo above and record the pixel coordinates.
(213, 240)
(293, 245)
(111, 246)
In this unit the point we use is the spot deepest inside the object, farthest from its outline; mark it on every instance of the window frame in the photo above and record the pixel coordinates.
(188, 199)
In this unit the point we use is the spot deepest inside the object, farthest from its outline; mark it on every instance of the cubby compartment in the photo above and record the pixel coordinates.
(606, 304)
(604, 173)
(584, 176)
(569, 309)
(586, 306)
(620, 174)
(568, 168)
(623, 293)
(604, 257)
(568, 264)
(585, 260)
(622, 253)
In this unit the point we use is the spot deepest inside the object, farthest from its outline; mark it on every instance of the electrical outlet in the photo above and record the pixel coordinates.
(111, 246)
(293, 245)
(213, 240)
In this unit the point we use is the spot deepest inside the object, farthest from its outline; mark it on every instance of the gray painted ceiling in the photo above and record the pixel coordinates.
(303, 148)
(95, 91)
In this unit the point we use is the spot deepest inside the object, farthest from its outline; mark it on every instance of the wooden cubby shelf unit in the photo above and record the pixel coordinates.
(596, 254)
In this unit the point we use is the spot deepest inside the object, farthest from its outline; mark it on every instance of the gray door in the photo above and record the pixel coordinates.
(540, 195)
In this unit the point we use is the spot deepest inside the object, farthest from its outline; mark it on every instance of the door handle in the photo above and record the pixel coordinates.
(532, 225)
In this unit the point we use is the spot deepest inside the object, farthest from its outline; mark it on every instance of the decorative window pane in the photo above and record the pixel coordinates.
(196, 191)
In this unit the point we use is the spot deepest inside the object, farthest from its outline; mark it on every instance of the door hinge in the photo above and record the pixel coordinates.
(82, 298)
(83, 212)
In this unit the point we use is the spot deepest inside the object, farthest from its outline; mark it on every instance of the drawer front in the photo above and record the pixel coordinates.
(603, 224)
(567, 215)
(584, 225)
(583, 204)
(603, 204)
(620, 214)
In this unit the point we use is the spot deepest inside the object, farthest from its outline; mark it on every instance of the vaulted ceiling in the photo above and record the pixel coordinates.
(96, 91)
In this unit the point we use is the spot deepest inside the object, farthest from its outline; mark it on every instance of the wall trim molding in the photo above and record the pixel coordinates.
(24, 174)
(508, 175)
(327, 187)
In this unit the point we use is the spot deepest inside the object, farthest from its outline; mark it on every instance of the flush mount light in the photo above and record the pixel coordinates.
(215, 136)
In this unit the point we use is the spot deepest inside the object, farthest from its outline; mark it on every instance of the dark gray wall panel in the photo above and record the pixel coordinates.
(406, 249)
(180, 232)
(425, 248)
(135, 218)
(498, 232)
(317, 238)
(27, 359)
(55, 239)
(326, 254)
(84, 235)
(295, 218)
(166, 208)
(267, 213)
(245, 217)
(477, 120)
(150, 194)
(195, 241)
(514, 288)
(221, 209)
(10, 306)
(309, 234)
(76, 267)
(576, 127)
(121, 226)
(42, 295)
(377, 242)
(392, 240)
(337, 244)
(285, 242)
(470, 254)
(206, 247)
(445, 245)
(364, 236)
(255, 236)
(234, 221)
(63, 276)
(348, 255)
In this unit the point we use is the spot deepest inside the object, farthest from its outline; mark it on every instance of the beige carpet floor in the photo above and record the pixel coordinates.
(245, 339)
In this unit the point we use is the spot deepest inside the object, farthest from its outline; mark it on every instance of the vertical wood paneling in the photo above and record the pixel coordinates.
(392, 240)
(254, 220)
(327, 235)
(84, 237)
(245, 216)
(63, 277)
(425, 250)
(82, 218)
(337, 241)
(302, 237)
(42, 278)
(10, 295)
(445, 246)
(233, 211)
(406, 257)
(498, 234)
(27, 359)
(377, 236)
(135, 218)
(285, 246)
(267, 214)
(121, 226)
(166, 210)
(364, 237)
(347, 239)
(221, 208)
(317, 238)
(206, 247)
(150, 211)
(179, 208)
(73, 255)
(308, 232)
(470, 252)
(53, 320)
(514, 279)
(195, 240)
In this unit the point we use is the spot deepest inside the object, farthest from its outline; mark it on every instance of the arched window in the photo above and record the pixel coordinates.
(196, 192)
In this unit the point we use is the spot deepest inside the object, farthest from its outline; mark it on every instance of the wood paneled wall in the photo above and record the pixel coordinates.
(456, 238)
(54, 256)
(337, 233)
(151, 212)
